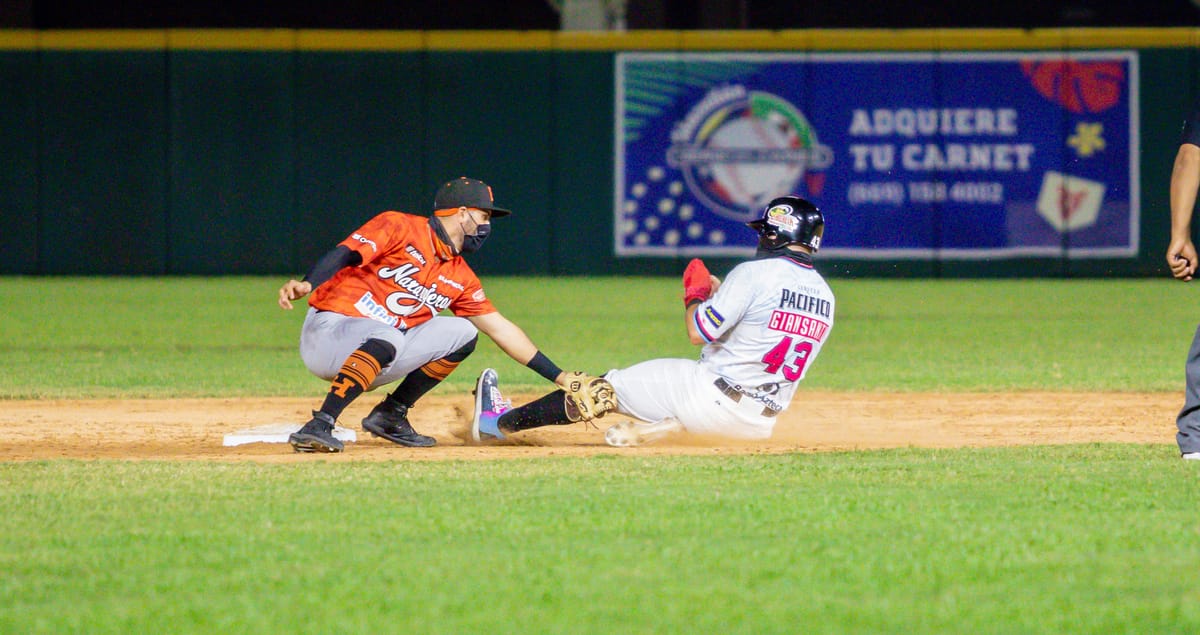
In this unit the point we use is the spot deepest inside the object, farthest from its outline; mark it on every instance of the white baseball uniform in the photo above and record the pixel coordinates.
(765, 326)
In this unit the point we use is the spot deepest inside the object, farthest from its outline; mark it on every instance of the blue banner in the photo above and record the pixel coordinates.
(963, 155)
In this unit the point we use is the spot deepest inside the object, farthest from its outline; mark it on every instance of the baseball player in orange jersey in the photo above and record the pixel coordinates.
(373, 317)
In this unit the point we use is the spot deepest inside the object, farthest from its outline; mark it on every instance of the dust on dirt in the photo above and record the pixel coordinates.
(191, 429)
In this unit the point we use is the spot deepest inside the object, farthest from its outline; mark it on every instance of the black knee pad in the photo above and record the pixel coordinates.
(463, 351)
(381, 350)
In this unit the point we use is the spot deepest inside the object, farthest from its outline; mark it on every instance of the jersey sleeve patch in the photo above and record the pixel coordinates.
(713, 316)
(364, 240)
(707, 322)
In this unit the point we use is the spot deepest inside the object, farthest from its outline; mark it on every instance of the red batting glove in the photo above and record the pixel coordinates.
(697, 283)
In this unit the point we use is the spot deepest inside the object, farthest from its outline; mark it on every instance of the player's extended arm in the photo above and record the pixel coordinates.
(698, 286)
(584, 397)
(1185, 179)
(325, 268)
(514, 342)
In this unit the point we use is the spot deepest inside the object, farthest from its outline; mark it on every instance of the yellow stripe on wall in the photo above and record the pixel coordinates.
(347, 40)
(102, 40)
(750, 40)
(232, 39)
(490, 40)
(14, 40)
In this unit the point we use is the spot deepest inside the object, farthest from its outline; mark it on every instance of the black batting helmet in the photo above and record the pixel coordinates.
(789, 220)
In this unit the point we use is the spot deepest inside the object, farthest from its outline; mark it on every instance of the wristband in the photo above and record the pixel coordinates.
(693, 295)
(543, 366)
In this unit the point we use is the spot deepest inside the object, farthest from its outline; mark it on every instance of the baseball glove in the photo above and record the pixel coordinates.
(697, 283)
(588, 397)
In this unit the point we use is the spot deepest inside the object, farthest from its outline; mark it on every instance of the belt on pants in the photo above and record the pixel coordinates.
(736, 395)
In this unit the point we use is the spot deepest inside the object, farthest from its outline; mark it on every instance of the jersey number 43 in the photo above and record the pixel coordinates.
(788, 358)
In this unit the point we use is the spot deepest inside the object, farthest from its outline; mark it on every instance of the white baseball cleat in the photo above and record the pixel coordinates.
(628, 434)
(1191, 456)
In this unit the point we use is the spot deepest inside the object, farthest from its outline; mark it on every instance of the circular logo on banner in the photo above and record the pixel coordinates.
(738, 149)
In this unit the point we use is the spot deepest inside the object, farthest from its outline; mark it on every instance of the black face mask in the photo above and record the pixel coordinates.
(472, 242)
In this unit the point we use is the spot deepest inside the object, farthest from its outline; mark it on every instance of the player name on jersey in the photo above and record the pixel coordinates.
(801, 325)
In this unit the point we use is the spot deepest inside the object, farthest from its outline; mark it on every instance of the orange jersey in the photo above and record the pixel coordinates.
(401, 281)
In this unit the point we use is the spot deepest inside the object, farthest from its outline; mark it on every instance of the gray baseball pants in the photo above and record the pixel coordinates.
(1188, 420)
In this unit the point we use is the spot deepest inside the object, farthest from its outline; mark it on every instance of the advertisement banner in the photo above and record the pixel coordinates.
(953, 155)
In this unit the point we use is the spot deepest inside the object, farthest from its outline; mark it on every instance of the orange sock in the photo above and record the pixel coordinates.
(439, 369)
(355, 376)
(422, 380)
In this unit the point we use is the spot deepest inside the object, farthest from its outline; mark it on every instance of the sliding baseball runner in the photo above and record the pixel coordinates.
(761, 330)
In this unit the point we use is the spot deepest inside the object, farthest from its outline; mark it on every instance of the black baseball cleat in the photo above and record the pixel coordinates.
(389, 420)
(316, 435)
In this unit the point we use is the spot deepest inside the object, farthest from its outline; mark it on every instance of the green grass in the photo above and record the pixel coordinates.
(962, 335)
(163, 337)
(1083, 539)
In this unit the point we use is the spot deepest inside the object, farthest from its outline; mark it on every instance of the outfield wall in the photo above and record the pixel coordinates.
(251, 152)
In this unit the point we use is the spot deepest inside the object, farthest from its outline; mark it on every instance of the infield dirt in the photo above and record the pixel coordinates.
(176, 429)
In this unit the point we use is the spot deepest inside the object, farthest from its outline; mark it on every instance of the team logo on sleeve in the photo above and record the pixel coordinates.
(478, 296)
(713, 317)
(366, 241)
